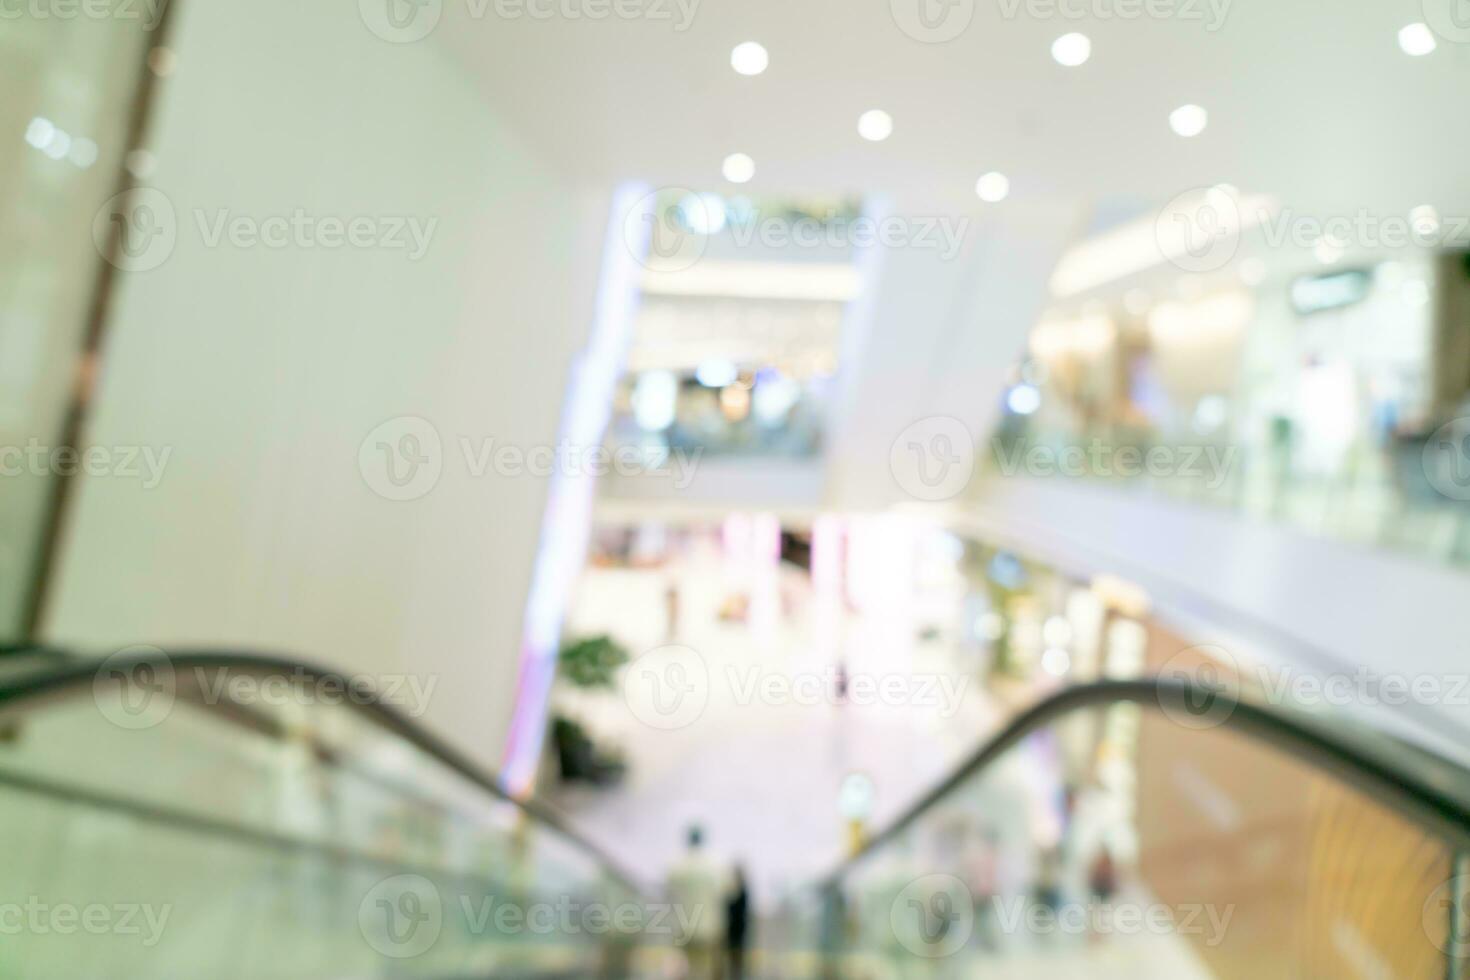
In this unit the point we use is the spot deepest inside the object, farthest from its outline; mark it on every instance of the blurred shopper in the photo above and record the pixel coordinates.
(697, 890)
(1102, 881)
(737, 926)
(1102, 878)
(979, 861)
(1047, 891)
(671, 610)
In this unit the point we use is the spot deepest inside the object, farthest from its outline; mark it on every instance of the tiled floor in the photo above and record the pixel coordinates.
(762, 774)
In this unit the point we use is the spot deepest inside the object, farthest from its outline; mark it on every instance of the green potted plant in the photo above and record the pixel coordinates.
(589, 664)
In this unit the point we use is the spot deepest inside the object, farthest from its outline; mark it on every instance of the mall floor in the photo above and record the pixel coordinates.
(762, 774)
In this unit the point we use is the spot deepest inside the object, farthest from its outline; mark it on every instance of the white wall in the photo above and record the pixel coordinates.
(935, 335)
(262, 370)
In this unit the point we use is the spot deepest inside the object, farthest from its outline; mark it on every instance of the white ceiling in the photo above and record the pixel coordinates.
(1310, 101)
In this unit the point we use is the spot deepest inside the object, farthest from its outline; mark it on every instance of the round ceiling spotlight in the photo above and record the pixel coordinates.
(1071, 50)
(738, 168)
(1417, 40)
(875, 125)
(749, 58)
(993, 187)
(1189, 120)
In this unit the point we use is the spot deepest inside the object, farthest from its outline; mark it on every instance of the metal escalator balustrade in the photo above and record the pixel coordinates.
(163, 819)
(1157, 828)
(159, 824)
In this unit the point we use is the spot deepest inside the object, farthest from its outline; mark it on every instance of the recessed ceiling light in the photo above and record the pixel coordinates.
(1072, 50)
(738, 168)
(1189, 120)
(875, 125)
(993, 187)
(1416, 40)
(749, 58)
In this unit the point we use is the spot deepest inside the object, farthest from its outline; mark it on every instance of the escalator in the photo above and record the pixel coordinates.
(229, 816)
(1163, 828)
(223, 816)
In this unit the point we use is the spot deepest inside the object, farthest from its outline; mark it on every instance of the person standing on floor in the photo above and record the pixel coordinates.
(696, 887)
(737, 926)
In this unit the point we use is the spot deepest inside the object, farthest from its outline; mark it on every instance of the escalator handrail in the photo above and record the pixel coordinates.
(75, 676)
(1414, 781)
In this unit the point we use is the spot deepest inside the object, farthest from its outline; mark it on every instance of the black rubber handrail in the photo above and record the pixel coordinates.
(1432, 790)
(75, 676)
